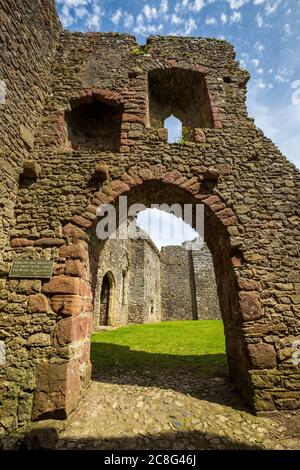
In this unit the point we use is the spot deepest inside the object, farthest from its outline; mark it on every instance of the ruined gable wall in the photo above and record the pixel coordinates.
(207, 299)
(178, 302)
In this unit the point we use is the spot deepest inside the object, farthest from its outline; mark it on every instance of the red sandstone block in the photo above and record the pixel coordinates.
(194, 189)
(202, 69)
(225, 214)
(62, 285)
(230, 221)
(70, 305)
(57, 390)
(92, 209)
(211, 200)
(127, 142)
(248, 284)
(37, 303)
(250, 306)
(20, 242)
(49, 242)
(133, 118)
(75, 251)
(71, 329)
(103, 198)
(189, 182)
(158, 171)
(75, 267)
(146, 174)
(85, 289)
(72, 231)
(79, 220)
(120, 187)
(218, 206)
(262, 356)
(134, 174)
(128, 179)
(233, 231)
(179, 181)
(172, 176)
(218, 124)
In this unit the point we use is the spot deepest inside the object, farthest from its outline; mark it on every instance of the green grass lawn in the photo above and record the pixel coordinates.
(195, 345)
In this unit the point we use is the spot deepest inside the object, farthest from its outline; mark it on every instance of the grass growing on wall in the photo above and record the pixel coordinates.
(193, 345)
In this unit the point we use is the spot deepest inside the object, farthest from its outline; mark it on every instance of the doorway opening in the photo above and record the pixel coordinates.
(106, 300)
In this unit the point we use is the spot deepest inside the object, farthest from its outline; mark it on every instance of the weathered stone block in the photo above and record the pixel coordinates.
(37, 303)
(48, 242)
(72, 231)
(57, 390)
(39, 339)
(20, 242)
(75, 267)
(262, 356)
(75, 251)
(67, 304)
(250, 306)
(62, 285)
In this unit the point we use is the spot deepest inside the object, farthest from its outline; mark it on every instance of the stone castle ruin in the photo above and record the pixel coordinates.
(137, 283)
(81, 125)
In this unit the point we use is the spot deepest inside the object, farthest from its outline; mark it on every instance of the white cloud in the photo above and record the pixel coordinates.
(163, 9)
(236, 17)
(211, 21)
(236, 4)
(284, 75)
(287, 29)
(190, 26)
(116, 17)
(150, 12)
(175, 19)
(258, 2)
(128, 20)
(272, 6)
(255, 62)
(197, 6)
(259, 20)
(223, 18)
(259, 47)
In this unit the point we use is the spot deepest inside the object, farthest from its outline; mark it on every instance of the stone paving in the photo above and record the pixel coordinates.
(182, 411)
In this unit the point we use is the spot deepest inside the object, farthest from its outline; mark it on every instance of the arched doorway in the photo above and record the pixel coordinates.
(156, 185)
(106, 300)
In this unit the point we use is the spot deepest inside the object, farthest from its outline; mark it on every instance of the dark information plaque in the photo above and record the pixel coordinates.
(31, 269)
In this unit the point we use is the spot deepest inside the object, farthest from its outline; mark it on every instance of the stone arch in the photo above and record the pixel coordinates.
(239, 298)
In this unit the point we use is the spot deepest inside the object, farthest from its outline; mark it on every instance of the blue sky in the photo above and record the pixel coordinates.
(265, 34)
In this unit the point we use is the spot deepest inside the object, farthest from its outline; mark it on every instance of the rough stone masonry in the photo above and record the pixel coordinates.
(83, 124)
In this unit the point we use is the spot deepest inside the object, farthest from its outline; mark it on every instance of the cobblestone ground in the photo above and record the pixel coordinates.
(173, 411)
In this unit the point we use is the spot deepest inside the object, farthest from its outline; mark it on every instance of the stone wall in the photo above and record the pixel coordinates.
(207, 299)
(134, 265)
(249, 190)
(188, 284)
(29, 32)
(178, 301)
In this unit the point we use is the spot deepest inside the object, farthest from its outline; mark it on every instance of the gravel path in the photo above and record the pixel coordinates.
(126, 411)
